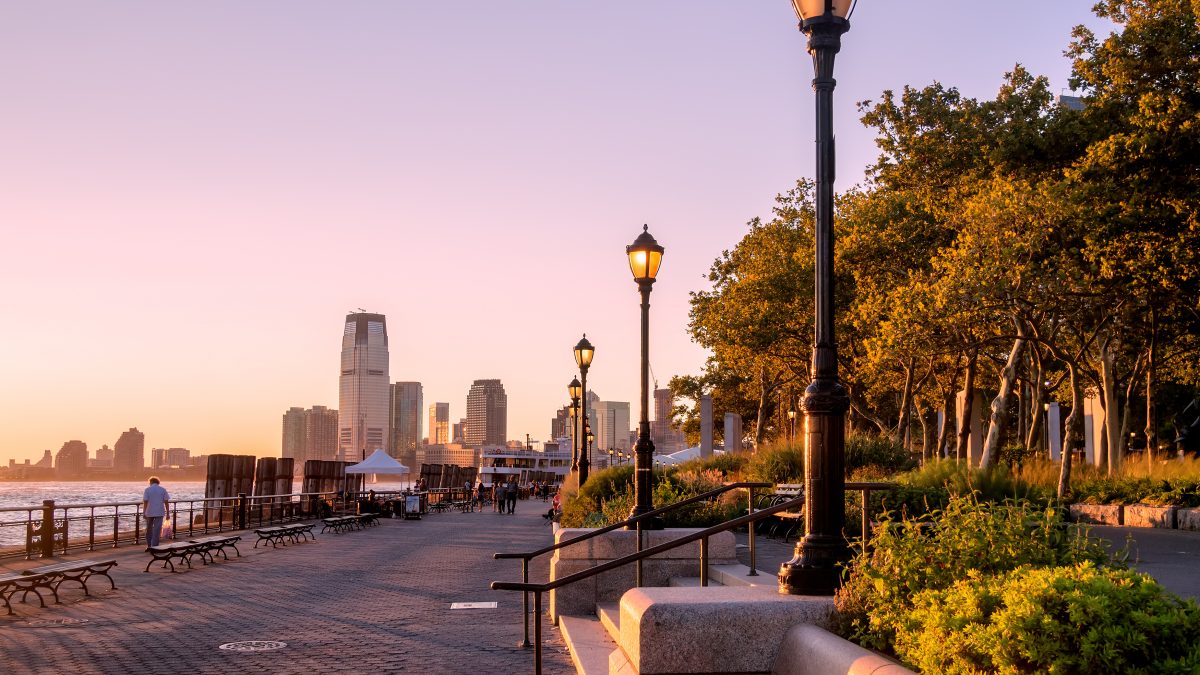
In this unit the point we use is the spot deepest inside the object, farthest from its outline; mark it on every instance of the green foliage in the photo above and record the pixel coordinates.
(608, 496)
(863, 450)
(995, 483)
(936, 550)
(780, 464)
(1066, 620)
(1178, 491)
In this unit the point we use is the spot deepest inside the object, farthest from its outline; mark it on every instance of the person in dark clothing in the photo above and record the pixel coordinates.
(510, 497)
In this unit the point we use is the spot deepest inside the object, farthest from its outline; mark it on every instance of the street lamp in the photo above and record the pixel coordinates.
(645, 257)
(584, 351)
(791, 428)
(573, 390)
(815, 567)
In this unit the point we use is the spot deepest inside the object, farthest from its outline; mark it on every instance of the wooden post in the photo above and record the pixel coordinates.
(47, 543)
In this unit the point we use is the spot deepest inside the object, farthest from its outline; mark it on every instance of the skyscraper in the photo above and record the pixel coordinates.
(610, 424)
(363, 387)
(666, 436)
(487, 414)
(71, 459)
(405, 410)
(129, 452)
(439, 423)
(310, 434)
(293, 433)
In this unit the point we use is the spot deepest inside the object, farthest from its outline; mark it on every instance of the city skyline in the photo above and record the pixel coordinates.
(196, 190)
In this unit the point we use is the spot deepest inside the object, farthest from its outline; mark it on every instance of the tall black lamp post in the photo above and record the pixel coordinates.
(645, 257)
(584, 351)
(573, 389)
(815, 569)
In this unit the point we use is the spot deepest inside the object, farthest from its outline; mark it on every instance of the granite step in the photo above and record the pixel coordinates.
(589, 643)
(691, 582)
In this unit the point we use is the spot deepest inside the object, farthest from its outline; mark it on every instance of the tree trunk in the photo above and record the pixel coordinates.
(928, 417)
(1151, 421)
(1074, 420)
(1108, 394)
(1037, 415)
(905, 401)
(944, 436)
(962, 449)
(764, 393)
(995, 433)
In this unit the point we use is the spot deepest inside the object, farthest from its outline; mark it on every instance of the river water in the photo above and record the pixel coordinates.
(31, 494)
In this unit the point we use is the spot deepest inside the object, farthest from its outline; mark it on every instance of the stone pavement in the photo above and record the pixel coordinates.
(371, 601)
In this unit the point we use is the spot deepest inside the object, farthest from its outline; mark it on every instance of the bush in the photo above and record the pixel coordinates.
(870, 450)
(776, 465)
(1078, 619)
(995, 483)
(936, 550)
(608, 497)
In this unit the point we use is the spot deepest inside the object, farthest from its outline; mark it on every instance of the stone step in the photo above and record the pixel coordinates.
(691, 582)
(739, 575)
(589, 643)
(609, 614)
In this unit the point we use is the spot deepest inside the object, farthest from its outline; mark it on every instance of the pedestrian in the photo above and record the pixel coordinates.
(154, 507)
(510, 497)
(498, 497)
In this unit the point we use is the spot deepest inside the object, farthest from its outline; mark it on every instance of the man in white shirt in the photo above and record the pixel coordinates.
(154, 508)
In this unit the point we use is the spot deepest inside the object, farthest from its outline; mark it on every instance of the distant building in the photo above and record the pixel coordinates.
(71, 460)
(487, 414)
(457, 430)
(165, 458)
(129, 452)
(560, 426)
(439, 423)
(309, 434)
(406, 408)
(104, 458)
(446, 453)
(610, 424)
(46, 462)
(1069, 102)
(667, 437)
(363, 387)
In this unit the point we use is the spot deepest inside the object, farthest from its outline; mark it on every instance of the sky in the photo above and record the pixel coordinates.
(193, 195)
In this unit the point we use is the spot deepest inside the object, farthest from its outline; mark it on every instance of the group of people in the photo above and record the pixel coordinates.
(503, 496)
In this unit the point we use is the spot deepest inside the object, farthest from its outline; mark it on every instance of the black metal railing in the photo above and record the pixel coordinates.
(641, 554)
(636, 522)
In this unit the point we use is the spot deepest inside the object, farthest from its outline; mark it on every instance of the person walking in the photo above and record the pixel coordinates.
(154, 507)
(510, 497)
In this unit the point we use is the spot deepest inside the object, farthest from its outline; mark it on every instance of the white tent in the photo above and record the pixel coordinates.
(378, 462)
(683, 456)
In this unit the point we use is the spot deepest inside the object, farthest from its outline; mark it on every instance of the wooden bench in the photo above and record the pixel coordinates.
(283, 533)
(186, 550)
(341, 524)
(15, 582)
(52, 576)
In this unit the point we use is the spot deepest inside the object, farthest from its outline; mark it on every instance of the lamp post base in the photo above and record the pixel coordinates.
(654, 523)
(816, 568)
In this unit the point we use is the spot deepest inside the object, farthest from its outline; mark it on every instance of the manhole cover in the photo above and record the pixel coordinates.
(56, 622)
(253, 646)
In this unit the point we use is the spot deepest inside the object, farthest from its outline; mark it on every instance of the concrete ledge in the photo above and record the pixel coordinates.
(588, 642)
(811, 650)
(1097, 514)
(620, 543)
(1187, 519)
(1144, 515)
(718, 629)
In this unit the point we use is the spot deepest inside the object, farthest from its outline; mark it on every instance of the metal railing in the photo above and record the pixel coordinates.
(52, 528)
(637, 557)
(635, 521)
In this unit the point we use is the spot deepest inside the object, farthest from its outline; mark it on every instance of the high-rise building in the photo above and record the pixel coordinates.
(363, 388)
(610, 424)
(72, 459)
(293, 433)
(487, 414)
(310, 434)
(104, 458)
(406, 408)
(129, 452)
(560, 426)
(667, 437)
(457, 430)
(320, 435)
(439, 423)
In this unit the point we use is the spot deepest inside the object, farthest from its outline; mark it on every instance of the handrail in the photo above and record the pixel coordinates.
(753, 516)
(632, 520)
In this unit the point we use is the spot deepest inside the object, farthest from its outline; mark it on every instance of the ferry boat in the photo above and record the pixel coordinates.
(550, 463)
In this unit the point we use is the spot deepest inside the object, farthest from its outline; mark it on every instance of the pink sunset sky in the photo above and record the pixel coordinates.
(193, 195)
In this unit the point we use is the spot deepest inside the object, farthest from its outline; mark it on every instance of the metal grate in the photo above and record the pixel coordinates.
(253, 646)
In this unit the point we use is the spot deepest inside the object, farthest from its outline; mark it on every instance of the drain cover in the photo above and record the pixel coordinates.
(472, 605)
(253, 646)
(56, 622)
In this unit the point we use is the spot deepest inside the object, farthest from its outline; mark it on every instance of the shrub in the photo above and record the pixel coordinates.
(995, 483)
(608, 497)
(1066, 620)
(936, 550)
(777, 465)
(874, 450)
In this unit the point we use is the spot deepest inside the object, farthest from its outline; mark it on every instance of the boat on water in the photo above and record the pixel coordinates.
(550, 464)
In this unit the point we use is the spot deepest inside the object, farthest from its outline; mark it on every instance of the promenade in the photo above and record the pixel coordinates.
(370, 601)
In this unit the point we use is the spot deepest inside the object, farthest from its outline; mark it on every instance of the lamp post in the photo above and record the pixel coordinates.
(584, 351)
(791, 428)
(645, 257)
(573, 390)
(815, 567)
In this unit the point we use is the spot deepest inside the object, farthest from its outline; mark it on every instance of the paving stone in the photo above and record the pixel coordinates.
(371, 601)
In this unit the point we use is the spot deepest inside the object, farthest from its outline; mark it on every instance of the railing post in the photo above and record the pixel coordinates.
(137, 523)
(47, 543)
(750, 536)
(241, 511)
(116, 525)
(638, 581)
(92, 530)
(525, 602)
(704, 561)
(866, 522)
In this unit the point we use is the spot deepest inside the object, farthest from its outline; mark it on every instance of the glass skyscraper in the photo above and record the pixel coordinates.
(487, 414)
(363, 387)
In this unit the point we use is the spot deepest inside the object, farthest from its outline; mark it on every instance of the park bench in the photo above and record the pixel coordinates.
(281, 534)
(79, 571)
(15, 582)
(186, 550)
(341, 524)
(785, 523)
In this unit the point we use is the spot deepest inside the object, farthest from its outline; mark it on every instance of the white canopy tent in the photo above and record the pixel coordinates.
(378, 462)
(683, 456)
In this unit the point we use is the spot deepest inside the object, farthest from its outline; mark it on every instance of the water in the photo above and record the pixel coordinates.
(31, 494)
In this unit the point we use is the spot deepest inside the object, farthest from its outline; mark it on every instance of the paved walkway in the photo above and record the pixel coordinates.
(372, 601)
